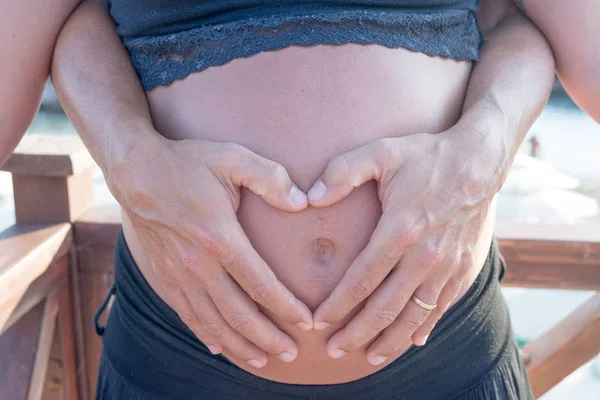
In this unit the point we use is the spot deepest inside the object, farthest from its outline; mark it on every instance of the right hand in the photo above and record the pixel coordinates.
(182, 197)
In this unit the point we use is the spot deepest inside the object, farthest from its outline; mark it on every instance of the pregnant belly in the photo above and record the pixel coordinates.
(302, 107)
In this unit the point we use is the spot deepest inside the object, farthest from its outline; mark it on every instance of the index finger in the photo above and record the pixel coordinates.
(385, 248)
(255, 277)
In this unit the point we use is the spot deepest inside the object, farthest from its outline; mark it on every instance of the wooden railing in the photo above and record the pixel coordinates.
(556, 257)
(56, 266)
(41, 321)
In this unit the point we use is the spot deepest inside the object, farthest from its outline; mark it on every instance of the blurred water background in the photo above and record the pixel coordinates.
(561, 184)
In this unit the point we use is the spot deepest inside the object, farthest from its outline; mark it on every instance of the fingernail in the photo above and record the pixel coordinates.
(318, 191)
(420, 341)
(213, 349)
(319, 326)
(305, 326)
(336, 353)
(256, 363)
(287, 357)
(297, 196)
(376, 360)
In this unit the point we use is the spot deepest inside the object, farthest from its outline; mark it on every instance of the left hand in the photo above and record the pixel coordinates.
(435, 191)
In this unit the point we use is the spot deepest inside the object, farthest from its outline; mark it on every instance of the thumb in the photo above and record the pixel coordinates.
(265, 178)
(348, 171)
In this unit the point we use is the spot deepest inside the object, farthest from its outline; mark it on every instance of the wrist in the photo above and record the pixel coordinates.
(483, 141)
(135, 147)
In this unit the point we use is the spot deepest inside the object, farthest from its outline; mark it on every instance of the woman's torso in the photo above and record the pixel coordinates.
(301, 107)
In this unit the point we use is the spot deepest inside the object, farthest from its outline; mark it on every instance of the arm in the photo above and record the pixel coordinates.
(28, 30)
(181, 197)
(430, 237)
(573, 31)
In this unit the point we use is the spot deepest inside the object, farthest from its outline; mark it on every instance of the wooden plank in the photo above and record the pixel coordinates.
(18, 348)
(49, 155)
(557, 256)
(95, 235)
(552, 264)
(94, 287)
(99, 226)
(53, 387)
(44, 346)
(55, 276)
(40, 199)
(79, 328)
(68, 346)
(565, 347)
(26, 252)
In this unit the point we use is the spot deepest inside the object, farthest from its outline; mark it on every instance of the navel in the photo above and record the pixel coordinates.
(324, 250)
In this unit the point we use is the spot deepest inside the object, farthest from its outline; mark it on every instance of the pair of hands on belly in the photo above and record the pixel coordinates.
(434, 206)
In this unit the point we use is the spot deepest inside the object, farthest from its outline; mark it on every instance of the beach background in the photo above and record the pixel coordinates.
(562, 184)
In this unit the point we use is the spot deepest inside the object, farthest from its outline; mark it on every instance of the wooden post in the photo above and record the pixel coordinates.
(52, 181)
(95, 234)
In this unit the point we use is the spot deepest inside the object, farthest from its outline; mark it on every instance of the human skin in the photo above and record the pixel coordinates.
(28, 31)
(250, 102)
(572, 29)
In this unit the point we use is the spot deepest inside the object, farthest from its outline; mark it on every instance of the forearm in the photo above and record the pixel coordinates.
(99, 89)
(28, 29)
(572, 30)
(509, 86)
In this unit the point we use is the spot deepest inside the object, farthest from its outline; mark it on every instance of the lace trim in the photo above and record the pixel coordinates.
(160, 60)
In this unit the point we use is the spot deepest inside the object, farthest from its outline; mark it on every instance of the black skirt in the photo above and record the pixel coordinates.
(148, 353)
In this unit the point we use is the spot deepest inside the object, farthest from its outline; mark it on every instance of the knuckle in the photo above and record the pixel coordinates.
(216, 244)
(188, 263)
(339, 165)
(399, 241)
(230, 150)
(385, 149)
(167, 269)
(273, 345)
(403, 290)
(172, 289)
(389, 153)
(188, 318)
(360, 288)
(414, 321)
(161, 272)
(454, 260)
(210, 240)
(223, 154)
(463, 270)
(433, 255)
(232, 257)
(466, 263)
(381, 318)
(387, 347)
(351, 343)
(213, 327)
(242, 324)
(263, 293)
(277, 172)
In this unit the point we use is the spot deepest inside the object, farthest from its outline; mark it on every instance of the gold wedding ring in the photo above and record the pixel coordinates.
(422, 304)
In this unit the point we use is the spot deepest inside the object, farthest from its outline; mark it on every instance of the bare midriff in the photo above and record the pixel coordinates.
(301, 107)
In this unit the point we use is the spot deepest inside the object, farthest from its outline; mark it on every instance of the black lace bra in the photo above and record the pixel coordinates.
(170, 39)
